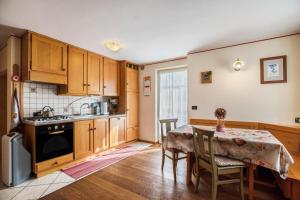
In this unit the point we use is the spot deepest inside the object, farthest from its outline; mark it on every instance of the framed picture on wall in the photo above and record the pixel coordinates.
(273, 70)
(206, 77)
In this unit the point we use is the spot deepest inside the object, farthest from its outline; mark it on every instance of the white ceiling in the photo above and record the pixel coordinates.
(153, 30)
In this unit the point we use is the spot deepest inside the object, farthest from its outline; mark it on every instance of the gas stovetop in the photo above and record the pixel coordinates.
(48, 119)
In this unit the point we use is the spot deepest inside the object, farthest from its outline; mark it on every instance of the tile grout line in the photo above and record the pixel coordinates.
(17, 193)
(49, 186)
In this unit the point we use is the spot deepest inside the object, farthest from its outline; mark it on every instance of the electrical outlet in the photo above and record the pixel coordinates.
(297, 119)
(194, 107)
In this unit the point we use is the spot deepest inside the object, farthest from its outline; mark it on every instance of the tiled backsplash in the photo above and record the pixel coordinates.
(36, 96)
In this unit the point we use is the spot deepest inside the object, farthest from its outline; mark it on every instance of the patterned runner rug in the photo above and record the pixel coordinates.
(97, 163)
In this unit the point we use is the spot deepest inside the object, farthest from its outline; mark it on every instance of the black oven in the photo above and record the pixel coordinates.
(53, 141)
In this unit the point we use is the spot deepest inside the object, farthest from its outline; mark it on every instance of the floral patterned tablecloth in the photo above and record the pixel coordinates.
(258, 147)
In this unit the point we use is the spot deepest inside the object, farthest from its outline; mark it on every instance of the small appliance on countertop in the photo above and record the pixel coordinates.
(96, 108)
(104, 108)
(113, 105)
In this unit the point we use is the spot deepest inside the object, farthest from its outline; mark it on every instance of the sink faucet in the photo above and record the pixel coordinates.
(85, 104)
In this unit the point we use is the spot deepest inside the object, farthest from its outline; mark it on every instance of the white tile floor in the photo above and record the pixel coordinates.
(36, 188)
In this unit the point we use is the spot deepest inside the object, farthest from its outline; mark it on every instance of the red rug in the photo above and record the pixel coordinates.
(94, 164)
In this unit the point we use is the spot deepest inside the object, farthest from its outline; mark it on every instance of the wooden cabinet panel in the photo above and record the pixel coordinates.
(95, 74)
(132, 109)
(111, 77)
(83, 138)
(100, 135)
(117, 131)
(43, 59)
(48, 55)
(132, 133)
(132, 76)
(77, 71)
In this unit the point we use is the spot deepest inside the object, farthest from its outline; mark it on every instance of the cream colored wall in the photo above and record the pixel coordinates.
(241, 93)
(147, 103)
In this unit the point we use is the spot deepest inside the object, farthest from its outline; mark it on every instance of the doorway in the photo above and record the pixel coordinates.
(172, 96)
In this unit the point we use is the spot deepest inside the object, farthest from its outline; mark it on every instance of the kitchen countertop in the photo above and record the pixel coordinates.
(73, 118)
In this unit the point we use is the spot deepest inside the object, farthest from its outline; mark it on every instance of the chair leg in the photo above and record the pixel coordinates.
(214, 188)
(197, 182)
(163, 160)
(174, 165)
(241, 184)
(176, 157)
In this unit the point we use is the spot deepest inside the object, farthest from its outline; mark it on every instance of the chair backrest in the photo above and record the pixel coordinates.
(167, 124)
(203, 146)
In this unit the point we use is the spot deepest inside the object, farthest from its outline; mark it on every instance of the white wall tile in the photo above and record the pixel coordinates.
(36, 96)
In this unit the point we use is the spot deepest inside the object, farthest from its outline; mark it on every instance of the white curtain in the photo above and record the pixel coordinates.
(173, 95)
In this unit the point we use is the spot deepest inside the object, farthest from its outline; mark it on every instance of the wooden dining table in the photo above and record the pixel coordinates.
(254, 147)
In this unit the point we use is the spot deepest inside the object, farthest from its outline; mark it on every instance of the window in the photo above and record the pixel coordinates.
(172, 95)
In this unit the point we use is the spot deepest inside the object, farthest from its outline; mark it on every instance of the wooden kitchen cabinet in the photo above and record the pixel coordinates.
(129, 98)
(117, 131)
(132, 133)
(132, 109)
(95, 74)
(83, 138)
(101, 135)
(77, 72)
(43, 59)
(132, 78)
(110, 77)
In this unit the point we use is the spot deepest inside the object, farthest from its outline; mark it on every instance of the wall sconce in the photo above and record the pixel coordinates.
(238, 64)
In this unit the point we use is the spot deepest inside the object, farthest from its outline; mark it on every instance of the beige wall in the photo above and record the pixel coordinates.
(241, 93)
(147, 103)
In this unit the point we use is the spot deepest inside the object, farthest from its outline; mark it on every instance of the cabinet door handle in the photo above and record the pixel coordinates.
(94, 129)
(104, 86)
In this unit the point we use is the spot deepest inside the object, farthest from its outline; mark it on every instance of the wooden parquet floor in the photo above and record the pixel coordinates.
(140, 177)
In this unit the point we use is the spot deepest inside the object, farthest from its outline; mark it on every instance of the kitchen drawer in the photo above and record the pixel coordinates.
(48, 164)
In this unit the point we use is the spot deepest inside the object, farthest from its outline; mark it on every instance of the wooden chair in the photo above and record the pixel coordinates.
(167, 123)
(216, 165)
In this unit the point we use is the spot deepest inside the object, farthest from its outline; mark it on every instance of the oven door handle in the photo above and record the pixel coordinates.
(56, 132)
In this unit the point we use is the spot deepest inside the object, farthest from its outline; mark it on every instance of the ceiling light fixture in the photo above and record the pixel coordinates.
(238, 64)
(113, 45)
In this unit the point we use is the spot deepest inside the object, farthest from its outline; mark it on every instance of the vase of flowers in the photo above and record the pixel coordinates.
(220, 114)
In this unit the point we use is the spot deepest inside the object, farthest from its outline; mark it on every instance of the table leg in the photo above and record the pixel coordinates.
(251, 181)
(189, 167)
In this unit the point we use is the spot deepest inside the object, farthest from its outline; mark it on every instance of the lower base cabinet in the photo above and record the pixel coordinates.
(95, 136)
(101, 138)
(117, 132)
(83, 138)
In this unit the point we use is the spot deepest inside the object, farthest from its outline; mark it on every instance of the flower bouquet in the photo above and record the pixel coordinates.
(220, 114)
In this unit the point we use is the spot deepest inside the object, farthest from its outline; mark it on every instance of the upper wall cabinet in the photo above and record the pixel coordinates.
(85, 75)
(43, 59)
(111, 77)
(77, 72)
(95, 74)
